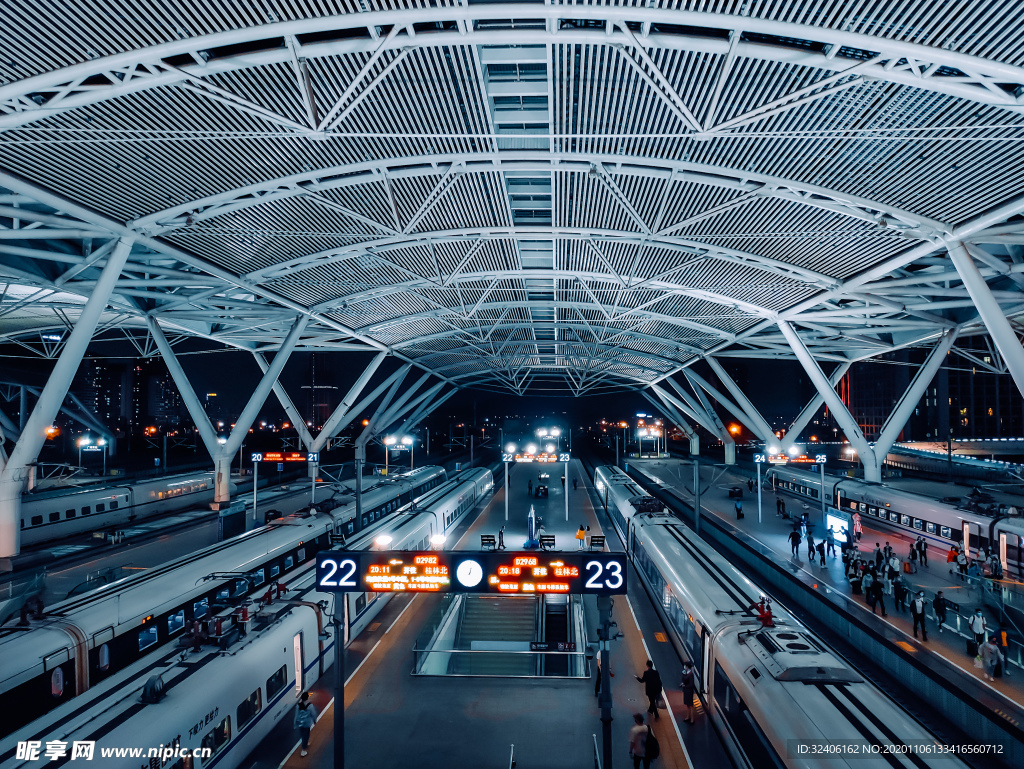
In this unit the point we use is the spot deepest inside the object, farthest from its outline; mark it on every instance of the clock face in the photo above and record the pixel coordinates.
(469, 573)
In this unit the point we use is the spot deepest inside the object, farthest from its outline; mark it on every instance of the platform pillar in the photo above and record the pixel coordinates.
(14, 472)
(604, 606)
(730, 453)
(812, 406)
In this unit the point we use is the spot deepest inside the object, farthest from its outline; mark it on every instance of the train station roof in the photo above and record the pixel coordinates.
(531, 197)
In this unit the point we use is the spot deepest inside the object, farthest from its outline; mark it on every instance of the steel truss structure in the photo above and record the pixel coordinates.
(546, 197)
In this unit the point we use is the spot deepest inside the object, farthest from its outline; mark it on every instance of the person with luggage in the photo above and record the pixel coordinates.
(978, 626)
(991, 657)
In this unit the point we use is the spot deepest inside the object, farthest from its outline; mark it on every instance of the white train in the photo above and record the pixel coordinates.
(913, 515)
(766, 689)
(88, 638)
(54, 514)
(260, 668)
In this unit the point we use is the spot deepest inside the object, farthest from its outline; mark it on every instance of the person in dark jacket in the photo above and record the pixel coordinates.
(940, 608)
(821, 551)
(651, 680)
(687, 685)
(879, 595)
(794, 542)
(917, 607)
(305, 718)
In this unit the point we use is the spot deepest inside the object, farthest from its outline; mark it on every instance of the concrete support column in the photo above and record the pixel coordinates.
(872, 471)
(14, 474)
(995, 321)
(812, 406)
(730, 453)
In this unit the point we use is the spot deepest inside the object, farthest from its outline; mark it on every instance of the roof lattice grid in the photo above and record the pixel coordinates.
(536, 196)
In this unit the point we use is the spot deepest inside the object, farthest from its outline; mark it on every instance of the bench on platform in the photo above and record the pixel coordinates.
(547, 541)
(597, 542)
(487, 540)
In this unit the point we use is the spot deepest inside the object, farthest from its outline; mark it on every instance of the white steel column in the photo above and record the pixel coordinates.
(11, 430)
(333, 424)
(185, 389)
(699, 383)
(288, 405)
(988, 308)
(898, 419)
(13, 475)
(762, 428)
(677, 419)
(728, 442)
(813, 405)
(833, 401)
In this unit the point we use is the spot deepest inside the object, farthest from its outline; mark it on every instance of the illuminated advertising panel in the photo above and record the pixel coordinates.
(503, 573)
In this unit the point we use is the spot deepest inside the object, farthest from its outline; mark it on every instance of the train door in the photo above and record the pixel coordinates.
(966, 533)
(300, 668)
(1002, 551)
(630, 535)
(705, 672)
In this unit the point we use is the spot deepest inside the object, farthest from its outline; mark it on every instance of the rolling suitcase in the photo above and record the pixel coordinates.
(972, 647)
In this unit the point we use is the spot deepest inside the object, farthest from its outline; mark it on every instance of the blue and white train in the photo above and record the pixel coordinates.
(267, 652)
(765, 686)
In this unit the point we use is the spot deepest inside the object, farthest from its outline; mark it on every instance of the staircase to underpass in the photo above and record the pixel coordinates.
(503, 624)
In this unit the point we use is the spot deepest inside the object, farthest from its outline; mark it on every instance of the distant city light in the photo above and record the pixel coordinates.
(793, 451)
(531, 449)
(510, 448)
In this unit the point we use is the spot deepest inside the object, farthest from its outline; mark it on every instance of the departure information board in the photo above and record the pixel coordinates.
(541, 459)
(507, 573)
(285, 456)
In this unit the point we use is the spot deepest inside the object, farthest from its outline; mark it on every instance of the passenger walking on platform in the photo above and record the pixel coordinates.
(887, 551)
(917, 612)
(637, 742)
(866, 581)
(913, 558)
(978, 626)
(529, 487)
(305, 718)
(651, 680)
(803, 524)
(899, 592)
(810, 547)
(687, 685)
(877, 555)
(501, 538)
(830, 542)
(821, 552)
(1000, 639)
(794, 542)
(939, 607)
(739, 509)
(857, 528)
(974, 572)
(879, 596)
(922, 551)
(581, 536)
(991, 657)
(574, 480)
(750, 485)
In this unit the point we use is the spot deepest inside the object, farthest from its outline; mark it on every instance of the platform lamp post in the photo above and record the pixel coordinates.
(389, 441)
(510, 451)
(83, 441)
(408, 441)
(102, 443)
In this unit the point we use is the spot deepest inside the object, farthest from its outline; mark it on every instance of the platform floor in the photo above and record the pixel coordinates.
(772, 531)
(394, 719)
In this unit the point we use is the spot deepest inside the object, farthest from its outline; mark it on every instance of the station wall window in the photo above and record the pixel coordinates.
(277, 682)
(248, 708)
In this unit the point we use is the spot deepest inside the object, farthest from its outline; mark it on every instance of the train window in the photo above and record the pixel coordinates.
(248, 708)
(100, 507)
(57, 682)
(301, 554)
(274, 571)
(904, 520)
(241, 587)
(918, 524)
(277, 682)
(930, 528)
(351, 527)
(360, 603)
(86, 510)
(872, 510)
(289, 562)
(945, 532)
(749, 736)
(176, 622)
(853, 505)
(223, 595)
(113, 504)
(257, 580)
(863, 507)
(37, 520)
(147, 638)
(69, 513)
(200, 608)
(894, 517)
(103, 657)
(218, 737)
(54, 517)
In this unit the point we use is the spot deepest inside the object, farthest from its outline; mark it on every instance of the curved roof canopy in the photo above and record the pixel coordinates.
(535, 197)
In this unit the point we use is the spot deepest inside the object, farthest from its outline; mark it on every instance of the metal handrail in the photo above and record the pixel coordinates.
(512, 757)
(597, 753)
